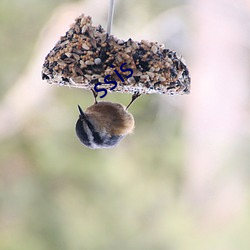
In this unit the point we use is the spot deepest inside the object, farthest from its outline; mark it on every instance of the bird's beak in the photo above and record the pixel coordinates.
(82, 115)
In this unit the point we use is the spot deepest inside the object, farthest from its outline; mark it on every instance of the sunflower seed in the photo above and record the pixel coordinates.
(85, 46)
(154, 49)
(88, 62)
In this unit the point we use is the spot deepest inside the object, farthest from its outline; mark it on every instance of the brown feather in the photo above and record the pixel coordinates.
(111, 117)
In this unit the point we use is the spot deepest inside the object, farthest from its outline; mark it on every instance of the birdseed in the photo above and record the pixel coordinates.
(83, 57)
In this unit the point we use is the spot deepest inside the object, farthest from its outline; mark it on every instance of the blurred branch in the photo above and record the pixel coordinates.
(216, 112)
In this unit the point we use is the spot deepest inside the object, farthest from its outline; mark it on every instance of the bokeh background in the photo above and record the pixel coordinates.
(180, 182)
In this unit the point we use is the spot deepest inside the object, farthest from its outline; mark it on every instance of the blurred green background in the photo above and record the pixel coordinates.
(181, 181)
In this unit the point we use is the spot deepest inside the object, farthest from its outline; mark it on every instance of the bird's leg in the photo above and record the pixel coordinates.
(134, 97)
(95, 94)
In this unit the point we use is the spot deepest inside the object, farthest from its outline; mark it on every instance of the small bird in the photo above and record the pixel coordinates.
(104, 124)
